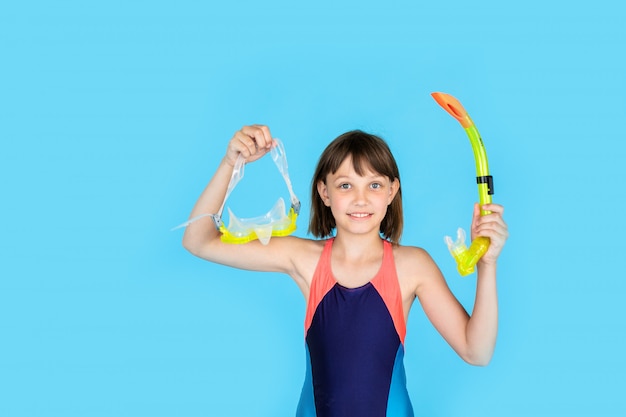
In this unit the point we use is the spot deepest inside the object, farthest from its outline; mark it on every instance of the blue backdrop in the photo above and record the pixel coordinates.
(114, 114)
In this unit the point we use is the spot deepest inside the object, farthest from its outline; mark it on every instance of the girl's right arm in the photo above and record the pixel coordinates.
(201, 237)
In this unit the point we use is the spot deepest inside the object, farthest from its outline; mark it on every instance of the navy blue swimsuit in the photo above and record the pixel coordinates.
(355, 346)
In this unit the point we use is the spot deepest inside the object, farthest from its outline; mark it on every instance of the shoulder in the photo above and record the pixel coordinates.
(302, 247)
(304, 254)
(411, 257)
(414, 266)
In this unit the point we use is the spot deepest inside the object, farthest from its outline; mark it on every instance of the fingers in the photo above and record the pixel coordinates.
(495, 208)
(252, 142)
(260, 135)
(490, 225)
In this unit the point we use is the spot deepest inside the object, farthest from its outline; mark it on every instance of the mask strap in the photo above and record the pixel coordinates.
(235, 177)
(280, 159)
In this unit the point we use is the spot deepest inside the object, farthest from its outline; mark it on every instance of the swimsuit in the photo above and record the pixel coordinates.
(355, 345)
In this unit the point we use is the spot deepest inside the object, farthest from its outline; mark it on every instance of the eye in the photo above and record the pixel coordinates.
(376, 185)
(344, 186)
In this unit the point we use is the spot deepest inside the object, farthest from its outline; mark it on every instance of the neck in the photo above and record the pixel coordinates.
(357, 247)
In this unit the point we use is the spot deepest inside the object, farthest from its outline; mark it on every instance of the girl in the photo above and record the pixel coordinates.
(359, 282)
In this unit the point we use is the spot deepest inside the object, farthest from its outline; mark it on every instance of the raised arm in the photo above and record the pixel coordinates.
(201, 237)
(473, 336)
(482, 327)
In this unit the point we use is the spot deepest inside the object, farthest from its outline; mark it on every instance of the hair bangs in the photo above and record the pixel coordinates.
(365, 154)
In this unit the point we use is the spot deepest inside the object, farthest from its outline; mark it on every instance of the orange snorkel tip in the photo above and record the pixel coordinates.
(454, 108)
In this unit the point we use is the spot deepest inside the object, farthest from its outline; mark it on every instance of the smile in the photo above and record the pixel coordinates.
(359, 215)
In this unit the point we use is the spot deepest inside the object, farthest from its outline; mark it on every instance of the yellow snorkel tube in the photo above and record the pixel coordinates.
(466, 258)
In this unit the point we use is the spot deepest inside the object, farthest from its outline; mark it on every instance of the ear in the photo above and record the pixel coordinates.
(393, 190)
(322, 190)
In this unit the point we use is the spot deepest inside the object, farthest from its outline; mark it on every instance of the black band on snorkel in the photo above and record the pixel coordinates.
(486, 179)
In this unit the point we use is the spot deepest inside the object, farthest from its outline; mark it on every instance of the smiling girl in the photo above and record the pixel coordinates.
(358, 281)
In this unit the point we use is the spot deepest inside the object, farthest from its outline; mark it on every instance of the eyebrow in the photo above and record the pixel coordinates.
(369, 177)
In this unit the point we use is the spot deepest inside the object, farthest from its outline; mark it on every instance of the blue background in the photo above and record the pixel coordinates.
(113, 116)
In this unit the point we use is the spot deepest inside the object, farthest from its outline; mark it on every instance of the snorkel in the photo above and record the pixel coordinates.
(466, 258)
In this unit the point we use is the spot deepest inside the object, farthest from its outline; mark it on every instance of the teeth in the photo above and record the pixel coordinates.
(359, 214)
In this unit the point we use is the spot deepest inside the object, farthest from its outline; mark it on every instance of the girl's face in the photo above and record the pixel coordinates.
(358, 203)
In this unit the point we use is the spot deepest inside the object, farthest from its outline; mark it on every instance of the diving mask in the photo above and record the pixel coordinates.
(274, 223)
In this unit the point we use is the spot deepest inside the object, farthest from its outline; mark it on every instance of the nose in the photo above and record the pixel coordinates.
(360, 196)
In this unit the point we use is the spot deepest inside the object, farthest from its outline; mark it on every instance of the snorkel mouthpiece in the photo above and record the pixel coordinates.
(466, 258)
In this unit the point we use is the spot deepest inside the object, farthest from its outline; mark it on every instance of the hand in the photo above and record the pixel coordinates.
(252, 142)
(491, 226)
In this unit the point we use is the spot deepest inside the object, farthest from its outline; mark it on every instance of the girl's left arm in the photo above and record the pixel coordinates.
(473, 336)
(482, 326)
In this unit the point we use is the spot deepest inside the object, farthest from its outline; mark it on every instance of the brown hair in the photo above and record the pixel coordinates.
(367, 152)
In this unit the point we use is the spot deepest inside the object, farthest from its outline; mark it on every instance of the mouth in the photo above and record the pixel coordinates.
(360, 216)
